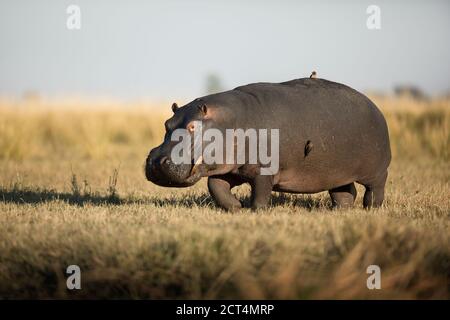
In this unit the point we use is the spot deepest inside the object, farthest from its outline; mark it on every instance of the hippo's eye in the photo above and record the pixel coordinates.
(190, 127)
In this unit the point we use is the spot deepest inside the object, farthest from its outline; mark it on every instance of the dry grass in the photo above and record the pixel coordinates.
(62, 203)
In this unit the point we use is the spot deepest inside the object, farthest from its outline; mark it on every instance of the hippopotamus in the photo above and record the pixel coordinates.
(330, 136)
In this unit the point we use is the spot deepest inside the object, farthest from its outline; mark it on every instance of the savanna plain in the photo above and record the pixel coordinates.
(73, 191)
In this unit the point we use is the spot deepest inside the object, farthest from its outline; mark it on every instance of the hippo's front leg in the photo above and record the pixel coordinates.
(261, 191)
(220, 189)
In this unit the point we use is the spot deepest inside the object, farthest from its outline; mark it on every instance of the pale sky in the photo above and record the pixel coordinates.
(165, 49)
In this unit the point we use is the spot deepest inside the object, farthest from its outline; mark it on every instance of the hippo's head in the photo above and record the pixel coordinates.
(161, 168)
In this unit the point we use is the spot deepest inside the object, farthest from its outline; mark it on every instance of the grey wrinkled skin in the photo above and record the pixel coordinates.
(331, 136)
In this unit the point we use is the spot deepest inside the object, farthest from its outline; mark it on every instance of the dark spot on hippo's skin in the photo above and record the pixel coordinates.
(308, 147)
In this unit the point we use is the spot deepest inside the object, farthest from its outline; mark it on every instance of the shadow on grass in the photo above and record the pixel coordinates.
(36, 196)
(299, 201)
(205, 200)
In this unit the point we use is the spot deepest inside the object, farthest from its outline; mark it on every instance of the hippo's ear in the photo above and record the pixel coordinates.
(174, 107)
(203, 109)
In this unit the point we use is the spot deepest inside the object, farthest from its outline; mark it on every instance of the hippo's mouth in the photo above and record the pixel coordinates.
(171, 175)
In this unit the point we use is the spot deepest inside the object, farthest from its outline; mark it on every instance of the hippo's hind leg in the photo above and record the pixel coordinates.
(374, 195)
(220, 189)
(344, 196)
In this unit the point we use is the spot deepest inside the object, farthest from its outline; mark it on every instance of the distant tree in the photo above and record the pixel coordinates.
(410, 91)
(31, 95)
(213, 83)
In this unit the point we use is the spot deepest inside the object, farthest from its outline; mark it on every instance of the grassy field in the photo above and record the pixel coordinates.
(73, 191)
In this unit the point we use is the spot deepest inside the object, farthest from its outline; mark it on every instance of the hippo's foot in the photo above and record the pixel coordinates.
(261, 191)
(374, 195)
(220, 189)
(344, 196)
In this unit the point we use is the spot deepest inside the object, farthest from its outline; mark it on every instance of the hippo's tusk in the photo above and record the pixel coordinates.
(196, 165)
